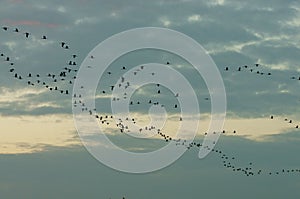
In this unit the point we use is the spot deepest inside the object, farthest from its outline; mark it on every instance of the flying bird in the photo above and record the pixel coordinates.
(27, 34)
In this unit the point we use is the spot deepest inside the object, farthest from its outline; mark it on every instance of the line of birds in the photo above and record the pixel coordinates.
(226, 159)
(251, 69)
(67, 75)
(256, 69)
(53, 79)
(289, 121)
(16, 30)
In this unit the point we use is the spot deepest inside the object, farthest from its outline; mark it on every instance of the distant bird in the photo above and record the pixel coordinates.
(44, 37)
(27, 34)
(62, 44)
(67, 75)
(16, 30)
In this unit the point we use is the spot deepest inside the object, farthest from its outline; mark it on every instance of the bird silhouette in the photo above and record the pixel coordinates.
(63, 44)
(54, 81)
(27, 34)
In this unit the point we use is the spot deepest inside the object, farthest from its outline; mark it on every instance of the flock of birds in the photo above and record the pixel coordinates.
(67, 75)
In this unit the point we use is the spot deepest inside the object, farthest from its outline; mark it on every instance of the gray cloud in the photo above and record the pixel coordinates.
(73, 173)
(237, 33)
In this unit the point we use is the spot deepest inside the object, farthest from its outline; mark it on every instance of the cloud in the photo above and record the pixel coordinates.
(62, 168)
(216, 3)
(30, 101)
(86, 20)
(235, 33)
(38, 126)
(29, 134)
(194, 18)
(275, 55)
(165, 21)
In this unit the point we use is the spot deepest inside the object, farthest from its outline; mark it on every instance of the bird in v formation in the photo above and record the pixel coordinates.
(68, 75)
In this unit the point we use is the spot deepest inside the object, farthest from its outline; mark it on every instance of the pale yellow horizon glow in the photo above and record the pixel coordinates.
(29, 134)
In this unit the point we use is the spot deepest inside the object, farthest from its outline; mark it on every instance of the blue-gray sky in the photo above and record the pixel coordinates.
(41, 154)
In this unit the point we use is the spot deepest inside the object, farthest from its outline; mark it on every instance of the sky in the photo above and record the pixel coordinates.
(41, 154)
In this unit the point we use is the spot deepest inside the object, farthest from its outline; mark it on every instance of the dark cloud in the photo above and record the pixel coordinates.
(73, 173)
(237, 33)
(287, 56)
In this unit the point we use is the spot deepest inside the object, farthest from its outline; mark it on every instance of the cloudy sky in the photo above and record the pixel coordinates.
(40, 152)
